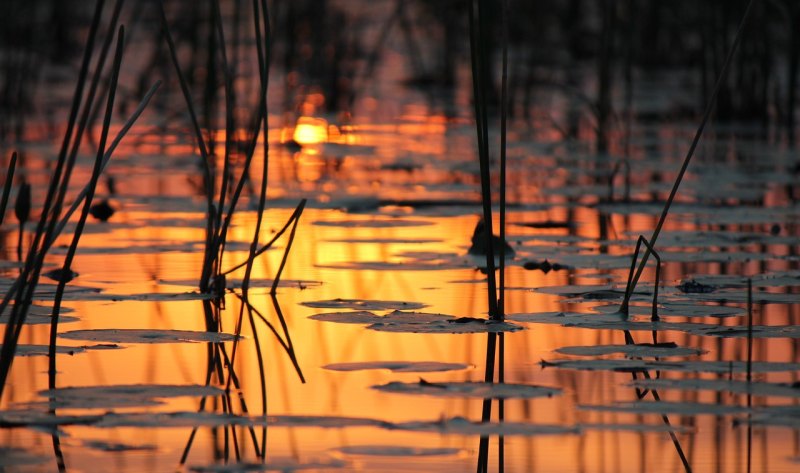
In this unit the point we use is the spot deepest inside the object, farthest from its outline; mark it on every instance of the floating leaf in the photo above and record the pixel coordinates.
(664, 407)
(628, 365)
(364, 304)
(108, 396)
(460, 325)
(43, 350)
(272, 464)
(640, 428)
(462, 426)
(676, 309)
(469, 389)
(613, 321)
(104, 446)
(396, 451)
(365, 317)
(637, 350)
(147, 336)
(398, 366)
(728, 385)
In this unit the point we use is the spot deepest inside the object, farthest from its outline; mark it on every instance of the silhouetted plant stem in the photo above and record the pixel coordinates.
(706, 115)
(96, 171)
(12, 166)
(29, 275)
(749, 372)
(81, 195)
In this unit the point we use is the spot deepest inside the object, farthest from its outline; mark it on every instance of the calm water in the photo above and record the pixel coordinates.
(393, 200)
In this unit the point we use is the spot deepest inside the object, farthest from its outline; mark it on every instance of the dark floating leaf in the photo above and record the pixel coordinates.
(694, 287)
(364, 304)
(640, 428)
(638, 350)
(627, 366)
(676, 309)
(398, 366)
(544, 266)
(462, 426)
(365, 317)
(608, 321)
(462, 325)
(727, 385)
(470, 389)
(60, 275)
(396, 451)
(108, 396)
(664, 407)
(147, 336)
(104, 446)
(272, 464)
(479, 243)
(102, 210)
(547, 224)
(42, 350)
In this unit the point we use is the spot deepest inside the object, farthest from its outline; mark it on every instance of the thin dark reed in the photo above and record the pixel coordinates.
(96, 171)
(266, 246)
(22, 210)
(12, 166)
(706, 116)
(277, 277)
(208, 256)
(81, 195)
(262, 378)
(29, 276)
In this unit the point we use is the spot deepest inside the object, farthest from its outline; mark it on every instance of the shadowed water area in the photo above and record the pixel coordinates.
(361, 339)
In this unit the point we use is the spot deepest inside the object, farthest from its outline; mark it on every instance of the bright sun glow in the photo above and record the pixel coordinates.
(311, 131)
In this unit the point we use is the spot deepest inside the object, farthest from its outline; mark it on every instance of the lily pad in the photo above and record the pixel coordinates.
(147, 336)
(462, 426)
(108, 396)
(364, 304)
(104, 446)
(637, 350)
(396, 451)
(677, 309)
(469, 389)
(729, 385)
(365, 317)
(664, 407)
(398, 366)
(273, 464)
(628, 365)
(459, 325)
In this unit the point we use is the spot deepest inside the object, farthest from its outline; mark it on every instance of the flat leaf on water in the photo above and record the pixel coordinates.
(628, 365)
(272, 464)
(364, 304)
(43, 350)
(638, 350)
(396, 451)
(608, 321)
(469, 389)
(639, 428)
(366, 317)
(147, 336)
(676, 309)
(398, 366)
(105, 446)
(665, 407)
(727, 385)
(453, 326)
(96, 397)
(462, 426)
